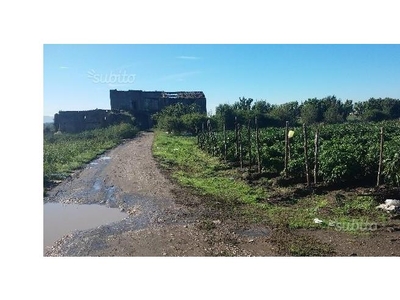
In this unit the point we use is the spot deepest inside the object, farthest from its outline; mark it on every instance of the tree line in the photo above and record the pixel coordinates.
(328, 110)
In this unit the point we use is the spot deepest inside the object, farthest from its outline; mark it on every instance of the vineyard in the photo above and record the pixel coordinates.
(350, 153)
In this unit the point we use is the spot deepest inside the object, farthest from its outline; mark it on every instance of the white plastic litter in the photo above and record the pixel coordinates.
(390, 206)
(318, 221)
(392, 202)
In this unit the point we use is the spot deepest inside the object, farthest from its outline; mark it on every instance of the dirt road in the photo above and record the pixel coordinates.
(163, 219)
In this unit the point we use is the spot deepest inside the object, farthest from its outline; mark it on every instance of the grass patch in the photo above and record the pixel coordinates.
(196, 169)
(63, 153)
(357, 214)
(207, 175)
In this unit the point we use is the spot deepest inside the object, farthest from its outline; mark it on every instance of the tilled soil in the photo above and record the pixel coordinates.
(167, 220)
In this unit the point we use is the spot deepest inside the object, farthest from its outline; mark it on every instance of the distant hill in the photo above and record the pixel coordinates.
(47, 119)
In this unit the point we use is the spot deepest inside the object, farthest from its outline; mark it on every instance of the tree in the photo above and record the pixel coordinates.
(243, 104)
(378, 109)
(391, 107)
(347, 108)
(286, 112)
(261, 107)
(359, 108)
(225, 114)
(333, 110)
(375, 115)
(179, 117)
(333, 115)
(170, 124)
(192, 122)
(310, 111)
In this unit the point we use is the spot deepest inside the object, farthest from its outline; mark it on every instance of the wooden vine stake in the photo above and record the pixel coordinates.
(240, 146)
(316, 155)
(236, 139)
(202, 136)
(249, 141)
(285, 170)
(225, 146)
(257, 145)
(212, 140)
(210, 148)
(378, 180)
(306, 155)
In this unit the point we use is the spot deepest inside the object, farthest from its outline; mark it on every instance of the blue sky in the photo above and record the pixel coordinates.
(79, 77)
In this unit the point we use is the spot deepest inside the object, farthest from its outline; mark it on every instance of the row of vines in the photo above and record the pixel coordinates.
(339, 153)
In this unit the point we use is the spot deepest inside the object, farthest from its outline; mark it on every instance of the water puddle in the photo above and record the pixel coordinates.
(61, 219)
(99, 160)
(97, 185)
(104, 158)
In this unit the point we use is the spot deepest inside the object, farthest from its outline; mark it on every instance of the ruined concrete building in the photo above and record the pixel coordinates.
(141, 104)
(78, 121)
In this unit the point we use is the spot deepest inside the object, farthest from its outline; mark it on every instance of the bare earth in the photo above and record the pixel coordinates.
(158, 223)
(166, 220)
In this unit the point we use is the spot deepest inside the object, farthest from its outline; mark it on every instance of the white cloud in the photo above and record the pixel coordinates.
(188, 57)
(64, 67)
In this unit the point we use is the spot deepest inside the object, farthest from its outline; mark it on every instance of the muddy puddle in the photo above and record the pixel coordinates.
(61, 219)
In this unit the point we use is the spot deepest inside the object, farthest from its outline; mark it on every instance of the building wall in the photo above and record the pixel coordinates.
(151, 102)
(78, 121)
